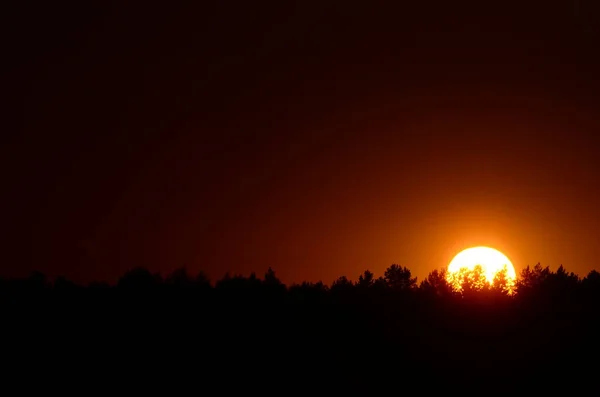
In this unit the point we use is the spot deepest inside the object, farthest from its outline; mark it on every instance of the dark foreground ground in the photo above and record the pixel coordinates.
(280, 342)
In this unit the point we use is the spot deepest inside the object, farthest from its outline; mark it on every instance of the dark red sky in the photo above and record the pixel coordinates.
(318, 138)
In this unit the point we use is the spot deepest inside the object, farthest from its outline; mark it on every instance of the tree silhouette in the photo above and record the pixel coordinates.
(224, 282)
(501, 284)
(591, 282)
(399, 278)
(366, 279)
(532, 278)
(272, 285)
(475, 281)
(592, 279)
(342, 284)
(202, 281)
(468, 281)
(271, 279)
(562, 281)
(38, 281)
(64, 285)
(139, 279)
(436, 284)
(179, 278)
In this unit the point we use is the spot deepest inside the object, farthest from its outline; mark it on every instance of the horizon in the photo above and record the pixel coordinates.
(260, 274)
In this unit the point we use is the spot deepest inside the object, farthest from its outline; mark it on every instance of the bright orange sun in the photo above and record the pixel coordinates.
(491, 261)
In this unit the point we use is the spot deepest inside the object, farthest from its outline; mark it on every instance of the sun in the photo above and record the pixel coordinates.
(491, 261)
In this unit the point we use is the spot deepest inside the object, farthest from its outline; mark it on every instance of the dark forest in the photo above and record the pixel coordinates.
(390, 334)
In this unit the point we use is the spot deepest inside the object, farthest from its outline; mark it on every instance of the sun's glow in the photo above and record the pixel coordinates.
(492, 263)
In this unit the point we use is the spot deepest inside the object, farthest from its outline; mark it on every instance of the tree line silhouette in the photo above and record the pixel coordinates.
(366, 336)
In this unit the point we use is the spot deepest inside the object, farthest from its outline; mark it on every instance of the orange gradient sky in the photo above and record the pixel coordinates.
(286, 135)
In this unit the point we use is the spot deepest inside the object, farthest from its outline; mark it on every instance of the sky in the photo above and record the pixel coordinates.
(319, 138)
